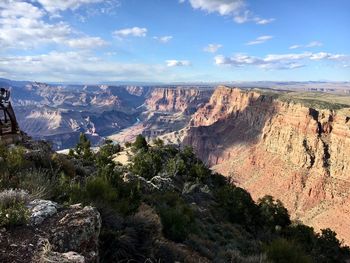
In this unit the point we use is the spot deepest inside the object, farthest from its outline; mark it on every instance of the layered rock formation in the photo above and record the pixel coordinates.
(180, 99)
(167, 110)
(297, 153)
(60, 113)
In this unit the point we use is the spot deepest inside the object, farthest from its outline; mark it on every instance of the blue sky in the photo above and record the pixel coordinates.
(175, 40)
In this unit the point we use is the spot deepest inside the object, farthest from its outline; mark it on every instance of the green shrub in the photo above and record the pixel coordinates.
(129, 198)
(13, 211)
(303, 235)
(147, 164)
(273, 212)
(238, 205)
(40, 183)
(199, 171)
(176, 216)
(329, 249)
(17, 214)
(83, 148)
(175, 166)
(187, 154)
(130, 239)
(98, 189)
(63, 163)
(140, 143)
(284, 251)
(158, 142)
(15, 159)
(11, 197)
(105, 154)
(12, 162)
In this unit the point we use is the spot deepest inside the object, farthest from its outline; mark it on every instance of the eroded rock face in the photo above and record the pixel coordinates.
(78, 231)
(298, 154)
(179, 99)
(69, 235)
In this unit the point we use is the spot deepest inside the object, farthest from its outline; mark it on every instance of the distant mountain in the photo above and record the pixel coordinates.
(12, 83)
(56, 112)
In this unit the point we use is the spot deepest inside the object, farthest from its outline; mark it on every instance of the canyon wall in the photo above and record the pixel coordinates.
(179, 99)
(169, 109)
(296, 153)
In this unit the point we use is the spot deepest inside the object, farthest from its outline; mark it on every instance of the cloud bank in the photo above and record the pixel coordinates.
(234, 8)
(279, 61)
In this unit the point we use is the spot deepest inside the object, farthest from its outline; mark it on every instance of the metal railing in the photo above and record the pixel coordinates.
(8, 122)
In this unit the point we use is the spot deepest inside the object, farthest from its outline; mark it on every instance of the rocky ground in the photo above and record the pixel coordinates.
(55, 234)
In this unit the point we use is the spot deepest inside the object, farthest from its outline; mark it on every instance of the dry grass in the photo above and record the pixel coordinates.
(11, 197)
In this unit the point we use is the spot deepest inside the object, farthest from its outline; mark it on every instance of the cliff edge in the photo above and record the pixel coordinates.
(279, 144)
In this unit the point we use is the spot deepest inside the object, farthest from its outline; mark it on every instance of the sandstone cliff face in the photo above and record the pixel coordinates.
(178, 99)
(298, 154)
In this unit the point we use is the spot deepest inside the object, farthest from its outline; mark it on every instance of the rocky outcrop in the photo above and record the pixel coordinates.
(41, 209)
(59, 235)
(185, 100)
(297, 153)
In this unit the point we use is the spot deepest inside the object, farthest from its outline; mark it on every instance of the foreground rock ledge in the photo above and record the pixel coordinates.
(70, 235)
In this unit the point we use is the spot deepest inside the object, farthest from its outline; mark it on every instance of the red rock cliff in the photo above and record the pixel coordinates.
(178, 99)
(298, 154)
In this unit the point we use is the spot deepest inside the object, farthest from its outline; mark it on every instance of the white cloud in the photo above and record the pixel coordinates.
(27, 33)
(164, 39)
(212, 48)
(259, 40)
(133, 31)
(73, 66)
(177, 63)
(286, 57)
(279, 61)
(53, 6)
(310, 45)
(223, 7)
(86, 42)
(235, 8)
(242, 17)
(261, 21)
(15, 9)
(329, 56)
(295, 46)
(105, 7)
(23, 26)
(314, 44)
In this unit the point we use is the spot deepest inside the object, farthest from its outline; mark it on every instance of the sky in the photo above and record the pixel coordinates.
(93, 41)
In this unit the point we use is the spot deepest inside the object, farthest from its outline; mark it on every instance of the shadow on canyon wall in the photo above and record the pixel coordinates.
(239, 127)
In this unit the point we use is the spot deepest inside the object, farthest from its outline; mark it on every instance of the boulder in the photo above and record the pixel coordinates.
(68, 235)
(78, 231)
(46, 254)
(40, 210)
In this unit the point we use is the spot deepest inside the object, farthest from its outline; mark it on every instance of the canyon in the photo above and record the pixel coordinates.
(294, 150)
(289, 143)
(59, 113)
